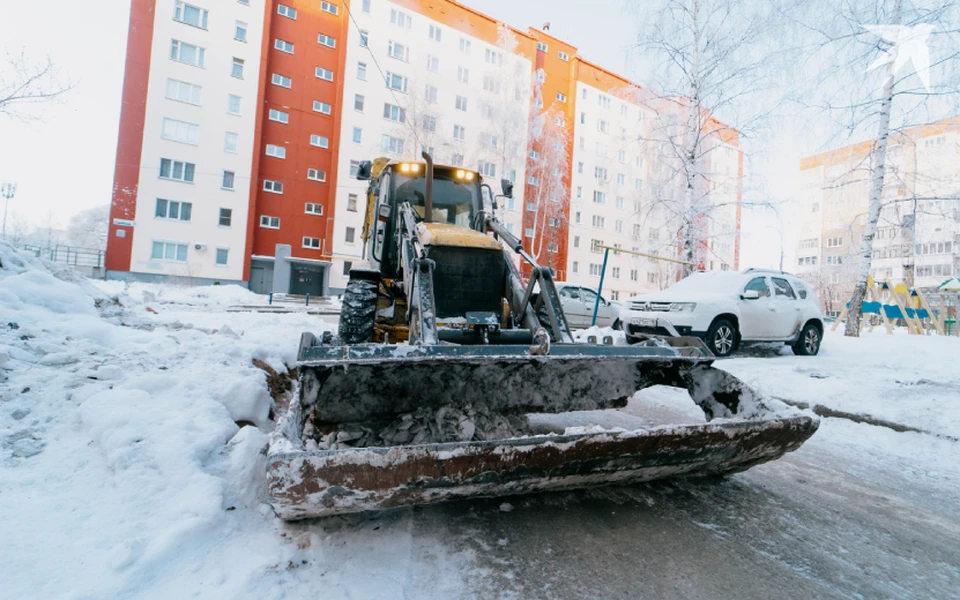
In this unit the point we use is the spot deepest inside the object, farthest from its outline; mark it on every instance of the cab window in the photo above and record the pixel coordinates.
(589, 296)
(782, 287)
(759, 284)
(570, 292)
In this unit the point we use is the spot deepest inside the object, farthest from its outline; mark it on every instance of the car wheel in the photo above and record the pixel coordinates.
(617, 325)
(808, 344)
(722, 337)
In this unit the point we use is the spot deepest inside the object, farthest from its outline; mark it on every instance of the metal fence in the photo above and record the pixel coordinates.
(88, 260)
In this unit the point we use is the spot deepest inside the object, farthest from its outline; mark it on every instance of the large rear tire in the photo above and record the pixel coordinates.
(359, 310)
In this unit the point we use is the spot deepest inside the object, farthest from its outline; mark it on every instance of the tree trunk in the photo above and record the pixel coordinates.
(854, 314)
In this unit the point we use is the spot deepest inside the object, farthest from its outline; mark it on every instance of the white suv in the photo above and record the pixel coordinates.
(725, 308)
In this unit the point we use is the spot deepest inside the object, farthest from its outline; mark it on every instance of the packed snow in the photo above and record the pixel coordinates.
(133, 428)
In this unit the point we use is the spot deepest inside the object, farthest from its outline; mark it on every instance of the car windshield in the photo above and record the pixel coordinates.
(455, 201)
(711, 282)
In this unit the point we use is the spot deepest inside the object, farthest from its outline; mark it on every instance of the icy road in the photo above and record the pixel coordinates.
(124, 474)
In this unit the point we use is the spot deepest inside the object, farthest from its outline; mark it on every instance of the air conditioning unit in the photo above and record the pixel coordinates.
(199, 246)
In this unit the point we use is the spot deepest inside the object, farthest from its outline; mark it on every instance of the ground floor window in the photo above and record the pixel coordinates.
(169, 251)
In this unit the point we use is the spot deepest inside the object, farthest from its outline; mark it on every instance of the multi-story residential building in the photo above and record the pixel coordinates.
(244, 122)
(919, 228)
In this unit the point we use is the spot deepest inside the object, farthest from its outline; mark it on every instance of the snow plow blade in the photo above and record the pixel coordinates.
(345, 389)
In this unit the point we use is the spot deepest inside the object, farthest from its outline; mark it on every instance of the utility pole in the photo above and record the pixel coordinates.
(7, 190)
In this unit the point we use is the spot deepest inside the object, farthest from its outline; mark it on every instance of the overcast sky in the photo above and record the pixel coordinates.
(63, 162)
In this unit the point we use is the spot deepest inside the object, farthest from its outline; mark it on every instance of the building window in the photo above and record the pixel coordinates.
(354, 167)
(433, 63)
(347, 265)
(430, 124)
(228, 179)
(282, 81)
(561, 97)
(312, 208)
(465, 45)
(240, 31)
(396, 82)
(186, 53)
(392, 112)
(221, 259)
(457, 160)
(269, 222)
(364, 38)
(463, 75)
(180, 131)
(231, 142)
(183, 91)
(329, 7)
(279, 116)
(528, 232)
(459, 132)
(324, 74)
(357, 135)
(226, 216)
(311, 242)
(541, 47)
(316, 175)
(286, 11)
(191, 15)
(487, 169)
(435, 33)
(319, 141)
(169, 251)
(388, 143)
(430, 95)
(398, 51)
(325, 40)
(321, 107)
(171, 209)
(233, 104)
(461, 103)
(400, 19)
(599, 197)
(350, 235)
(362, 71)
(563, 56)
(352, 202)
(358, 102)
(276, 151)
(598, 221)
(176, 170)
(283, 46)
(274, 187)
(532, 180)
(492, 57)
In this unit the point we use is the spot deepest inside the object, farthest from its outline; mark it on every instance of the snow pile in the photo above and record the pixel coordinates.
(619, 338)
(423, 426)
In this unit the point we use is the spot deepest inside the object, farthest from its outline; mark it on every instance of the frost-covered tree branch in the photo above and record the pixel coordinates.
(24, 83)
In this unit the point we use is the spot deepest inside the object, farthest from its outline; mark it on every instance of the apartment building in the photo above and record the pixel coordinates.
(244, 122)
(919, 228)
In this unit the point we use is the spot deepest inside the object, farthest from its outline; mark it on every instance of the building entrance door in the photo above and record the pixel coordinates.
(307, 279)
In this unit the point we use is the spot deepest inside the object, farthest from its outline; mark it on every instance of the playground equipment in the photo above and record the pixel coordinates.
(888, 303)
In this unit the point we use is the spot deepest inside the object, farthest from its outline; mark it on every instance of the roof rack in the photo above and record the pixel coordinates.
(755, 270)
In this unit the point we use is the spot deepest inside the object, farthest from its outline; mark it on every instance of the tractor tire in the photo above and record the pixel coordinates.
(808, 344)
(359, 310)
(722, 338)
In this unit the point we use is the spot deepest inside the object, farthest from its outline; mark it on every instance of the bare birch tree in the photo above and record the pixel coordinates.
(24, 83)
(546, 165)
(845, 43)
(711, 74)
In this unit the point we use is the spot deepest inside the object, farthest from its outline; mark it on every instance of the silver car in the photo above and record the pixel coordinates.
(578, 303)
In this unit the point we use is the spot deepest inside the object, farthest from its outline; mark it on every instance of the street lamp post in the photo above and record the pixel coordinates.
(7, 190)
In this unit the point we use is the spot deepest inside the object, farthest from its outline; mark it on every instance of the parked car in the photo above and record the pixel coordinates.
(578, 303)
(727, 308)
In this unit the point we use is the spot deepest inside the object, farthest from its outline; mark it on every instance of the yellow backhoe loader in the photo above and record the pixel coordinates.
(445, 355)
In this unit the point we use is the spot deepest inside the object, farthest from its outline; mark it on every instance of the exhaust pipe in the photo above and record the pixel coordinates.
(428, 191)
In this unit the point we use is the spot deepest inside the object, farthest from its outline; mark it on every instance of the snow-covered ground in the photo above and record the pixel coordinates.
(124, 473)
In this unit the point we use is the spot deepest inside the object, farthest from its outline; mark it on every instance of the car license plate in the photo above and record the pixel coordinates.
(644, 321)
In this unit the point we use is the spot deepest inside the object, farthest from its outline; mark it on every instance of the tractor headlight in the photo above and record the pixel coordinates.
(683, 306)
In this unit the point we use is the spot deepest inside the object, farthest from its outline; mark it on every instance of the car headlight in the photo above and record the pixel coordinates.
(683, 306)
